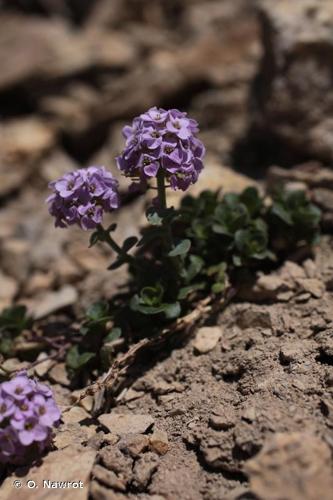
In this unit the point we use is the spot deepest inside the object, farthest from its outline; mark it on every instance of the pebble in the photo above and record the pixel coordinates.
(126, 423)
(53, 301)
(206, 339)
(159, 442)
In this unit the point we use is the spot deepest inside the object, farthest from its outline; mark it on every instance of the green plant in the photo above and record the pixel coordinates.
(293, 220)
(92, 335)
(13, 321)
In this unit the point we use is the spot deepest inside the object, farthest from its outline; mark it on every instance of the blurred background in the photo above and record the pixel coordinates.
(257, 75)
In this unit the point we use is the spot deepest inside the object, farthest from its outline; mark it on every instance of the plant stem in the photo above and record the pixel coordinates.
(161, 190)
(115, 247)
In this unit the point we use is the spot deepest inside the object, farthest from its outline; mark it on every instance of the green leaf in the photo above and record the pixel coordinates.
(280, 211)
(117, 263)
(237, 261)
(112, 227)
(154, 218)
(181, 249)
(94, 238)
(170, 310)
(113, 335)
(251, 199)
(199, 229)
(186, 290)
(129, 243)
(15, 319)
(97, 311)
(6, 346)
(230, 216)
(194, 268)
(218, 287)
(152, 296)
(153, 233)
(75, 360)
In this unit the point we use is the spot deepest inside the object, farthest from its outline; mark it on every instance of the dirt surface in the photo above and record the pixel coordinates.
(242, 408)
(221, 421)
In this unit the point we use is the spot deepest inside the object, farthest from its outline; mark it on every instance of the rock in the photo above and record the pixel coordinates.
(73, 434)
(62, 465)
(87, 403)
(109, 478)
(291, 272)
(249, 414)
(75, 415)
(313, 286)
(329, 377)
(22, 143)
(215, 176)
(303, 297)
(56, 164)
(253, 316)
(8, 290)
(133, 444)
(126, 423)
(113, 459)
(271, 284)
(130, 394)
(312, 174)
(222, 418)
(14, 364)
(207, 338)
(39, 281)
(324, 198)
(327, 348)
(144, 469)
(290, 352)
(53, 301)
(49, 49)
(44, 364)
(99, 492)
(310, 268)
(267, 287)
(297, 38)
(291, 466)
(59, 374)
(14, 258)
(159, 442)
(161, 387)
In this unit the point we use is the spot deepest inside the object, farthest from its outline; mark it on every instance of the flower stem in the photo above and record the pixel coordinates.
(115, 247)
(161, 194)
(161, 189)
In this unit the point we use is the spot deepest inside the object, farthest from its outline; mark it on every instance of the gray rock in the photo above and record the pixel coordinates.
(126, 423)
(294, 89)
(53, 301)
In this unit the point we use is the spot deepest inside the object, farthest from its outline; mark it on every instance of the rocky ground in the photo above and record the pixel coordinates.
(243, 408)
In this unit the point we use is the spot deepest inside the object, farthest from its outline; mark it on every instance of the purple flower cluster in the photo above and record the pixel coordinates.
(161, 140)
(28, 413)
(81, 197)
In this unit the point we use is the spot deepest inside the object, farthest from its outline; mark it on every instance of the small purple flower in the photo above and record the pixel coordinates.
(68, 185)
(23, 409)
(47, 410)
(7, 407)
(18, 388)
(31, 430)
(82, 197)
(91, 215)
(161, 139)
(28, 414)
(7, 444)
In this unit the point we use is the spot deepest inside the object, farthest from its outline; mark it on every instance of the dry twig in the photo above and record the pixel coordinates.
(185, 324)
